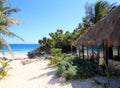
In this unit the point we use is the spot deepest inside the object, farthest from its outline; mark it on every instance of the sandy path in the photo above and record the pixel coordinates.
(33, 75)
(38, 75)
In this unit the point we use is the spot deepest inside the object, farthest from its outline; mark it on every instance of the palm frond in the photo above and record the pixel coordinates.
(3, 30)
(12, 21)
(3, 17)
(6, 44)
(9, 11)
(11, 34)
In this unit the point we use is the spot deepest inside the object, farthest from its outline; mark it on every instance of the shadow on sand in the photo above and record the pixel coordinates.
(82, 83)
(44, 74)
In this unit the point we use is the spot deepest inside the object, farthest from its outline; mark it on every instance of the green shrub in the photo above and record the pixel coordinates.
(50, 57)
(73, 68)
(3, 70)
(63, 56)
(56, 51)
(54, 60)
(87, 69)
(55, 56)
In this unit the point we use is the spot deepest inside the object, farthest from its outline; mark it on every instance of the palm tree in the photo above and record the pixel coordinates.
(5, 22)
(98, 10)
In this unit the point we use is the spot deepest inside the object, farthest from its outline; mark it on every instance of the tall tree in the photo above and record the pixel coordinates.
(57, 37)
(94, 12)
(6, 22)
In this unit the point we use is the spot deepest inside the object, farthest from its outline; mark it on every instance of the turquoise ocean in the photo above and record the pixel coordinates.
(22, 47)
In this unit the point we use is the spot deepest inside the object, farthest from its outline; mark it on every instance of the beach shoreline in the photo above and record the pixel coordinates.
(17, 55)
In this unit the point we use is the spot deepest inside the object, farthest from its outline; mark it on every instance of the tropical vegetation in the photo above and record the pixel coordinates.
(5, 22)
(4, 67)
(72, 67)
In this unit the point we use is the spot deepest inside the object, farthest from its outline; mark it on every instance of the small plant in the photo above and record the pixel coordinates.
(3, 70)
(55, 56)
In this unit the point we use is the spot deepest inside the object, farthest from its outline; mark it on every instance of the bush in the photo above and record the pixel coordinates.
(56, 56)
(50, 57)
(53, 61)
(87, 69)
(3, 70)
(56, 51)
(74, 68)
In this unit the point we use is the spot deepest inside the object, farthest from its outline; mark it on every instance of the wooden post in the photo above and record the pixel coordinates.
(105, 54)
(93, 52)
(79, 52)
(118, 51)
(103, 51)
(87, 52)
(98, 53)
(83, 51)
(110, 52)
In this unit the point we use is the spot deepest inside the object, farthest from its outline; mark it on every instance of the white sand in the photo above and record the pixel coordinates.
(20, 55)
(37, 75)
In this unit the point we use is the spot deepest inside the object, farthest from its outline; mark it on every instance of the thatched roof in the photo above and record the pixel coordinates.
(106, 31)
(82, 40)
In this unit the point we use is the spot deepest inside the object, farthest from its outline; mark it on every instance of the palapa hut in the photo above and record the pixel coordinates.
(105, 32)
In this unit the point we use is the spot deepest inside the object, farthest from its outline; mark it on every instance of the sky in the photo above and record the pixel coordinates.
(40, 17)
